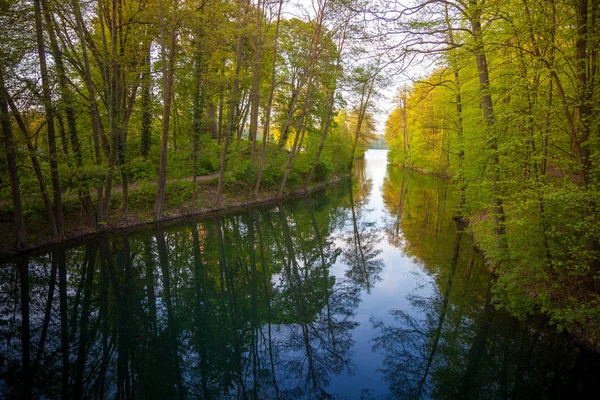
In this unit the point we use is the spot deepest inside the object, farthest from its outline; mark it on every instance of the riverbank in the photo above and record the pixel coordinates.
(178, 206)
(541, 273)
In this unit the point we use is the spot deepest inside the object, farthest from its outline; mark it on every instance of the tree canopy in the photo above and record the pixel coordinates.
(510, 111)
(101, 99)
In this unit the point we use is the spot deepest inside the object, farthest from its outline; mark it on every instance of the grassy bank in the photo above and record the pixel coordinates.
(141, 199)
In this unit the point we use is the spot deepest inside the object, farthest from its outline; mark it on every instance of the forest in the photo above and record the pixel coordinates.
(121, 110)
(509, 110)
(131, 110)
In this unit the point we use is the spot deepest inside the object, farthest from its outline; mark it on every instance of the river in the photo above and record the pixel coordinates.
(363, 291)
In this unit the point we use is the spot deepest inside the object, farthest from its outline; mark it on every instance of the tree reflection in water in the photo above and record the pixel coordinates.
(241, 306)
(452, 343)
(262, 305)
(361, 251)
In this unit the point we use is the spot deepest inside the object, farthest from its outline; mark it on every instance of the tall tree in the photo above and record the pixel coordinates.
(459, 114)
(199, 95)
(167, 72)
(268, 110)
(364, 85)
(256, 68)
(146, 128)
(67, 105)
(9, 147)
(491, 127)
(233, 102)
(316, 48)
(334, 75)
(97, 128)
(49, 108)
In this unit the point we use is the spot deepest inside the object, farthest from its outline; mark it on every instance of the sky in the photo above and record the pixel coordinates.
(397, 74)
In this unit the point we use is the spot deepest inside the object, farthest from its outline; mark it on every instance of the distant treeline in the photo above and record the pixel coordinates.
(378, 143)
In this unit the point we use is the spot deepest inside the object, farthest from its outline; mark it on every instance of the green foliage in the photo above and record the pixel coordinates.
(141, 169)
(208, 157)
(178, 192)
(275, 157)
(109, 122)
(430, 126)
(240, 173)
(142, 198)
(179, 164)
(533, 151)
(83, 178)
(322, 171)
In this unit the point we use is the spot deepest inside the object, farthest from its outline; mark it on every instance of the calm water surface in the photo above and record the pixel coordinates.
(366, 291)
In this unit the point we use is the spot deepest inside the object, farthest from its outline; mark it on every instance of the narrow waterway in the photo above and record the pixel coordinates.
(364, 291)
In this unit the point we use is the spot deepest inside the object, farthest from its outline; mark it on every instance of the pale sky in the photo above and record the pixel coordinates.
(384, 103)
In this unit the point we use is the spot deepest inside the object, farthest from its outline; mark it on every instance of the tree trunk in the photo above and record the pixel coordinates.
(584, 90)
(267, 126)
(116, 94)
(285, 130)
(221, 111)
(242, 115)
(199, 106)
(309, 78)
(407, 158)
(67, 100)
(326, 122)
(299, 133)
(491, 132)
(232, 107)
(167, 95)
(47, 98)
(459, 116)
(255, 92)
(101, 213)
(362, 111)
(11, 161)
(127, 111)
(146, 131)
(34, 161)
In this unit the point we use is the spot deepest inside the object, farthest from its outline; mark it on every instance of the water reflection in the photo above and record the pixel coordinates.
(266, 304)
(361, 252)
(241, 306)
(451, 343)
